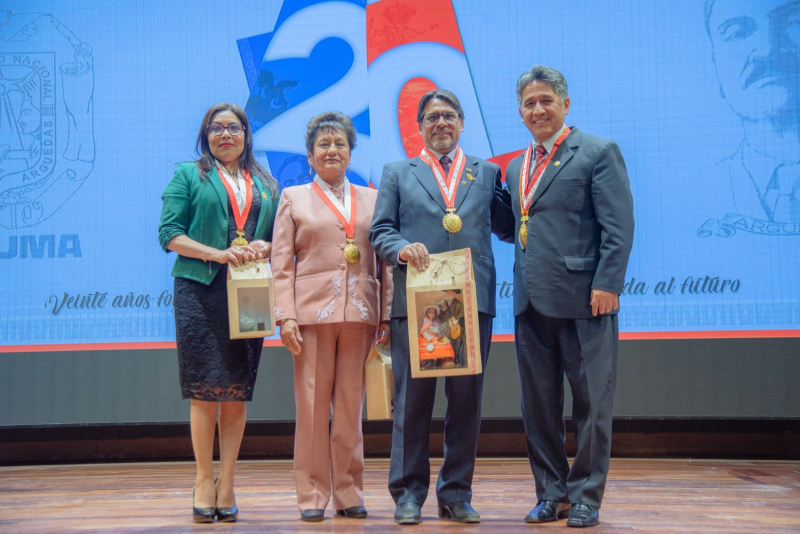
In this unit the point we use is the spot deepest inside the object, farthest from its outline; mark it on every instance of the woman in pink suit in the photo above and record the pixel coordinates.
(331, 293)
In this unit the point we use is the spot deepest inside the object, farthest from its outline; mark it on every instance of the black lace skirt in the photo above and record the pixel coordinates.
(213, 367)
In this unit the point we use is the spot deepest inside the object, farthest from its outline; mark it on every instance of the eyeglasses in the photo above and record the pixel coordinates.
(218, 129)
(433, 118)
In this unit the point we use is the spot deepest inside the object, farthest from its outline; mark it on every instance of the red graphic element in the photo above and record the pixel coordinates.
(407, 104)
(499, 338)
(392, 23)
(504, 159)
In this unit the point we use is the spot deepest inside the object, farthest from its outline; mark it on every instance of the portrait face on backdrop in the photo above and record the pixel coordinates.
(756, 56)
(441, 135)
(756, 51)
(542, 110)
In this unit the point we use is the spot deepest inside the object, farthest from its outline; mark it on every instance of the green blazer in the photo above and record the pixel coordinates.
(199, 209)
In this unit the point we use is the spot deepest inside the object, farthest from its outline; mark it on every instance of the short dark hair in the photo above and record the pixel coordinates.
(441, 94)
(247, 160)
(330, 120)
(548, 75)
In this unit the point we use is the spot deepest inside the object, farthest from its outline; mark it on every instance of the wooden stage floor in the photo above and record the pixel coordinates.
(652, 496)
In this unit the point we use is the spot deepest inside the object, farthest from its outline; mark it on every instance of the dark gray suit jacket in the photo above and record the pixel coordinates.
(580, 228)
(410, 209)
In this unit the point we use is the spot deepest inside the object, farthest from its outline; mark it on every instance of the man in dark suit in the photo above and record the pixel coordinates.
(574, 210)
(412, 218)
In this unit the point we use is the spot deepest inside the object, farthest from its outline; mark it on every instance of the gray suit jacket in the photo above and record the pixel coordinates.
(410, 209)
(580, 228)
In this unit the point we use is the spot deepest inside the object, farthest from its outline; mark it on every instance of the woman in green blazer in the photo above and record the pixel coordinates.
(217, 210)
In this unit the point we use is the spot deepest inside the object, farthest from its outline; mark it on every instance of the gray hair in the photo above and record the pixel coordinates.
(441, 94)
(330, 120)
(548, 75)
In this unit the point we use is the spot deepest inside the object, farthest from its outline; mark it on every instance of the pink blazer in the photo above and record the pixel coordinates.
(313, 282)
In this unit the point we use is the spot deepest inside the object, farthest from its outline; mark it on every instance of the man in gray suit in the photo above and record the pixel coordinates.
(409, 222)
(572, 201)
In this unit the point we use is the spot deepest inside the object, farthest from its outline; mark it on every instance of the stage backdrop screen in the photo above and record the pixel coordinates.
(99, 101)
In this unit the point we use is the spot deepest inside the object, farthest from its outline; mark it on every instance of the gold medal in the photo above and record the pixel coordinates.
(351, 252)
(523, 231)
(239, 241)
(451, 221)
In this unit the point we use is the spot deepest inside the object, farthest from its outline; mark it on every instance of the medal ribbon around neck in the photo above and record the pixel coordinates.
(240, 218)
(448, 186)
(526, 189)
(348, 220)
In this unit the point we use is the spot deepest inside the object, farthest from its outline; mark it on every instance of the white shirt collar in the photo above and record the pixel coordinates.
(451, 154)
(344, 208)
(548, 143)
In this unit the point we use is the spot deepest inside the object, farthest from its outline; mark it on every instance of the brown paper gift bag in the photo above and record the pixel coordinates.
(380, 383)
(443, 317)
(250, 300)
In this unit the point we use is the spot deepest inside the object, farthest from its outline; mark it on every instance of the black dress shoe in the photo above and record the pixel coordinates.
(460, 512)
(202, 515)
(228, 513)
(583, 515)
(354, 512)
(547, 511)
(312, 516)
(408, 513)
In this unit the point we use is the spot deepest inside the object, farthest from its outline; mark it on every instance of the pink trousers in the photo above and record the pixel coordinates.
(329, 377)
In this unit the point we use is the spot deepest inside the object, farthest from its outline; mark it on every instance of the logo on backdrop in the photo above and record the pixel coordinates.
(47, 145)
(755, 55)
(314, 60)
(372, 63)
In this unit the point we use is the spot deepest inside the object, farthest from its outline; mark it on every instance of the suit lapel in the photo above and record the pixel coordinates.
(562, 157)
(512, 183)
(222, 193)
(264, 194)
(423, 173)
(466, 183)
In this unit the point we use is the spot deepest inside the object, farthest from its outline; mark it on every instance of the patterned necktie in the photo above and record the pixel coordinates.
(445, 161)
(540, 153)
(784, 189)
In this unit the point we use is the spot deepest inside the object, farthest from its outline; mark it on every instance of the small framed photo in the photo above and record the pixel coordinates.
(251, 301)
(442, 320)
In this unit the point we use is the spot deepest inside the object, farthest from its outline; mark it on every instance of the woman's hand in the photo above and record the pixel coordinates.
(235, 255)
(261, 248)
(290, 336)
(384, 335)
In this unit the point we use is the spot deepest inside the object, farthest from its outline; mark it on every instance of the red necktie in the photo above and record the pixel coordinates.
(540, 153)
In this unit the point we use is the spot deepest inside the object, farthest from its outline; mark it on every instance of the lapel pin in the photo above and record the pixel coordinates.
(264, 195)
(463, 182)
(469, 170)
(557, 163)
(469, 176)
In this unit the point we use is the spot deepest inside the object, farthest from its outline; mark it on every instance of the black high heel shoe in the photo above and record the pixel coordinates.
(228, 514)
(202, 515)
